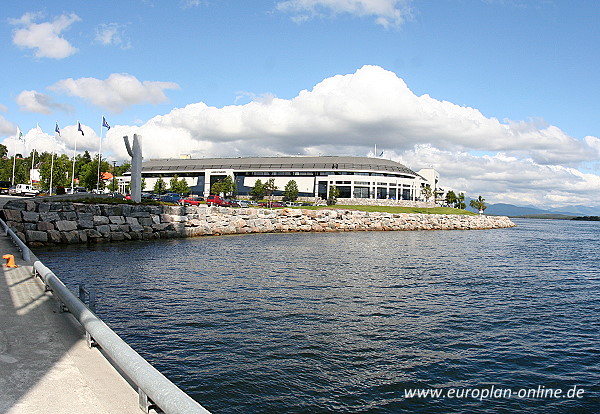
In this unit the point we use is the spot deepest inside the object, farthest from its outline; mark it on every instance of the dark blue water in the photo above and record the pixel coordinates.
(348, 322)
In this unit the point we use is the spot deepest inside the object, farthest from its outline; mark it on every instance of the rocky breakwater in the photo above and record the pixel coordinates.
(46, 222)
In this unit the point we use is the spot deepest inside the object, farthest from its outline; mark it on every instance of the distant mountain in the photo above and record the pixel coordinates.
(580, 210)
(502, 209)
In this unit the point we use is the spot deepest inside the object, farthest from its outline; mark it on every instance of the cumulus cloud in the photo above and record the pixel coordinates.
(522, 162)
(6, 127)
(45, 38)
(117, 92)
(33, 101)
(386, 12)
(42, 141)
(113, 34)
(507, 179)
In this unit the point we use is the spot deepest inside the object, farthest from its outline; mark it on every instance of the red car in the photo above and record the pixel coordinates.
(217, 201)
(190, 201)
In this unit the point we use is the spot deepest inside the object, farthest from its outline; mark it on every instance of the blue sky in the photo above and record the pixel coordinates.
(499, 95)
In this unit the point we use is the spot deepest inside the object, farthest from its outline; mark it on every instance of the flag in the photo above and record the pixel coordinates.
(57, 129)
(105, 124)
(20, 136)
(79, 128)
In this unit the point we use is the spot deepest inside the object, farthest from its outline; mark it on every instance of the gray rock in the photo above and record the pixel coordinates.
(36, 236)
(99, 220)
(66, 225)
(116, 219)
(45, 226)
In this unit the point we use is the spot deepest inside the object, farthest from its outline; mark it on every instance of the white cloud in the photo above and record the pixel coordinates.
(33, 101)
(525, 162)
(386, 12)
(45, 37)
(187, 4)
(113, 34)
(508, 179)
(6, 127)
(117, 92)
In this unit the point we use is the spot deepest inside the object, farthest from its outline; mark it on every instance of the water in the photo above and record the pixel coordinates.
(347, 322)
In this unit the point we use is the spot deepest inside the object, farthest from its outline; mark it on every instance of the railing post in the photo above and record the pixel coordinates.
(145, 403)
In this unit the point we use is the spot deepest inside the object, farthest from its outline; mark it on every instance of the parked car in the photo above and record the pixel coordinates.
(170, 198)
(4, 186)
(190, 201)
(217, 200)
(240, 203)
(23, 190)
(117, 196)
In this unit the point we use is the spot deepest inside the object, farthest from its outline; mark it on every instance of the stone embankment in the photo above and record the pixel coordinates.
(64, 222)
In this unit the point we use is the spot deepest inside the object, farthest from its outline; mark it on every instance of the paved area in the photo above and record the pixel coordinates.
(45, 364)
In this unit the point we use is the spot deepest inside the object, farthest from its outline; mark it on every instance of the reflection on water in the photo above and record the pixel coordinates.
(345, 322)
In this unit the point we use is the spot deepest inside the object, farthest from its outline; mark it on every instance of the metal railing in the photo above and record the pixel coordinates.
(154, 389)
(25, 252)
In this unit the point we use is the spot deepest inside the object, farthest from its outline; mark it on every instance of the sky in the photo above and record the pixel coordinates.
(500, 96)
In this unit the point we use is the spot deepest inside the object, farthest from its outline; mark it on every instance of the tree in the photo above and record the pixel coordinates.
(257, 192)
(290, 192)
(427, 192)
(451, 198)
(174, 184)
(334, 193)
(460, 203)
(88, 174)
(3, 151)
(160, 186)
(269, 188)
(226, 186)
(179, 186)
(479, 204)
(60, 168)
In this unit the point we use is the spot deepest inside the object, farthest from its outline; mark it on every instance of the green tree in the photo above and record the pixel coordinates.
(174, 184)
(179, 186)
(3, 151)
(88, 174)
(257, 192)
(160, 186)
(60, 168)
(427, 192)
(226, 186)
(478, 204)
(143, 185)
(451, 198)
(269, 188)
(334, 193)
(460, 202)
(290, 192)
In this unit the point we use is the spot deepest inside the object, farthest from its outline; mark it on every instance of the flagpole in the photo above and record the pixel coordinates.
(14, 161)
(52, 163)
(18, 138)
(74, 152)
(100, 156)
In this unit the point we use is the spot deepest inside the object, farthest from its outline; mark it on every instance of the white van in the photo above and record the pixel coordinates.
(23, 190)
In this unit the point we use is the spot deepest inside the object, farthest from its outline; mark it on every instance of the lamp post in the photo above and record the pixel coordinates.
(114, 171)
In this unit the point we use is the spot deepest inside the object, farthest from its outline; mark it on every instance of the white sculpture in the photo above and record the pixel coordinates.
(135, 187)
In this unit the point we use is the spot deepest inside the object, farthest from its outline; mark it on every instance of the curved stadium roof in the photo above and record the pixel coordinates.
(323, 163)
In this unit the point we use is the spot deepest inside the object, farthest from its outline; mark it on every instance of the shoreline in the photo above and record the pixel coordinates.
(49, 223)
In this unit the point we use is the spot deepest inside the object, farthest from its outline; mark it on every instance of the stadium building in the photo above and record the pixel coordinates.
(355, 177)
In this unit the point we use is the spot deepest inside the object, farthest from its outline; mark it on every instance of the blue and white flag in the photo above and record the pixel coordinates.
(79, 128)
(57, 129)
(105, 124)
